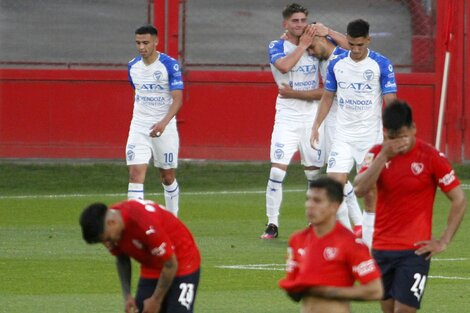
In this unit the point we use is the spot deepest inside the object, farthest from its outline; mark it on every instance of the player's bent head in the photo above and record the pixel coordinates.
(396, 115)
(92, 222)
(146, 29)
(333, 188)
(358, 28)
(293, 8)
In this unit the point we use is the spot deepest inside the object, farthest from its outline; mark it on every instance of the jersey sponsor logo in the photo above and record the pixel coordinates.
(390, 67)
(447, 179)
(417, 168)
(176, 67)
(364, 268)
(157, 75)
(306, 69)
(355, 86)
(137, 244)
(390, 85)
(330, 253)
(153, 87)
(303, 85)
(160, 250)
(278, 154)
(150, 100)
(354, 105)
(368, 75)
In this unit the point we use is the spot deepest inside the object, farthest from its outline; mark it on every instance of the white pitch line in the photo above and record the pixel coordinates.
(200, 193)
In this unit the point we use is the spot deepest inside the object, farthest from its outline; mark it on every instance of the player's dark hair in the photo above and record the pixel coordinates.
(293, 8)
(396, 115)
(358, 28)
(334, 189)
(146, 29)
(92, 222)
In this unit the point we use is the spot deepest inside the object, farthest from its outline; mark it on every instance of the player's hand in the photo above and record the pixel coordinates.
(151, 305)
(285, 91)
(307, 37)
(314, 138)
(392, 147)
(157, 129)
(285, 35)
(430, 247)
(320, 29)
(130, 305)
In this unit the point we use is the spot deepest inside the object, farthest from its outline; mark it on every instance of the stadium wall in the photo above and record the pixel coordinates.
(227, 115)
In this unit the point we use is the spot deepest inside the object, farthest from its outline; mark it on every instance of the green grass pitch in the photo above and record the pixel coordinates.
(46, 267)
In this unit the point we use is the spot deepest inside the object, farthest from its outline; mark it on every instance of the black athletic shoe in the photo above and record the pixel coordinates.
(271, 232)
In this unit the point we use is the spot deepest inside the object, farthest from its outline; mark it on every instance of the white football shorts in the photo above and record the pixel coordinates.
(344, 155)
(288, 138)
(141, 148)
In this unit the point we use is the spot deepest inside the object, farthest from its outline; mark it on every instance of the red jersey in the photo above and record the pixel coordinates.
(336, 259)
(405, 195)
(152, 235)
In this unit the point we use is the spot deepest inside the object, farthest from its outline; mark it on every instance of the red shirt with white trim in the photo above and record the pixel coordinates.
(335, 259)
(152, 235)
(405, 195)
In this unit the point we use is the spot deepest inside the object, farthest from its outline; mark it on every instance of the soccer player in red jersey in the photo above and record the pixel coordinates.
(168, 256)
(326, 258)
(406, 173)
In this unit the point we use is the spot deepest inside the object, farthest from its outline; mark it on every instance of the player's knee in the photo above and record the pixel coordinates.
(167, 177)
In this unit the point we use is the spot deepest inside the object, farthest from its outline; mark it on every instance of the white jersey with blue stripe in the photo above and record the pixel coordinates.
(331, 117)
(304, 75)
(152, 89)
(359, 88)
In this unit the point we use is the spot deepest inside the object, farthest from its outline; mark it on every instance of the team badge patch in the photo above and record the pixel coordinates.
(331, 162)
(417, 168)
(278, 154)
(130, 155)
(330, 253)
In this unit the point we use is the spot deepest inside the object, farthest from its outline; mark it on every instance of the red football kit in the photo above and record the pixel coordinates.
(336, 259)
(152, 235)
(406, 189)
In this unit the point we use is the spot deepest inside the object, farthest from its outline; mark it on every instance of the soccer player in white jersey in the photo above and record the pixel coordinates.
(361, 79)
(325, 49)
(157, 82)
(291, 65)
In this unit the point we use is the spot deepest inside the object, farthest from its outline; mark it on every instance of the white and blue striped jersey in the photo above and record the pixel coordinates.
(359, 88)
(152, 89)
(303, 76)
(331, 117)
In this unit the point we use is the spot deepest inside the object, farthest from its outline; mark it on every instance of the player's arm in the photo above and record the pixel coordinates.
(455, 217)
(389, 97)
(167, 275)
(372, 290)
(157, 129)
(124, 269)
(339, 38)
(323, 109)
(286, 91)
(286, 63)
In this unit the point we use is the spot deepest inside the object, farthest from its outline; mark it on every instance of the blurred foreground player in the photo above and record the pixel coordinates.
(325, 259)
(406, 173)
(168, 256)
(157, 82)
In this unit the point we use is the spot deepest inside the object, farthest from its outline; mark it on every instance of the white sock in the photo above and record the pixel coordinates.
(172, 195)
(274, 195)
(342, 215)
(311, 175)
(354, 211)
(135, 191)
(368, 220)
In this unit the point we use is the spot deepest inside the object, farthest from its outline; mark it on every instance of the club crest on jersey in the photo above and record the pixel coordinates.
(417, 168)
(278, 154)
(368, 75)
(330, 253)
(157, 75)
